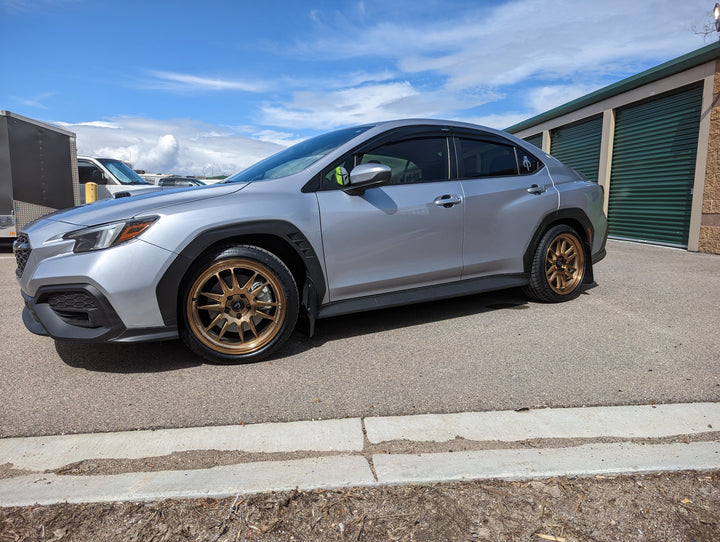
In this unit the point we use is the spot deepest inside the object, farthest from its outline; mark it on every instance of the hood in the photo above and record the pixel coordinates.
(119, 209)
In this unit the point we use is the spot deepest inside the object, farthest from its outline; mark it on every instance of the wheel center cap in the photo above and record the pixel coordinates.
(237, 305)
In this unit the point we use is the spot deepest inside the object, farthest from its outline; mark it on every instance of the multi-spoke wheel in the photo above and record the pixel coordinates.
(239, 306)
(558, 267)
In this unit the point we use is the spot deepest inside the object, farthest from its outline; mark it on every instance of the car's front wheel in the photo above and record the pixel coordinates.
(239, 305)
(558, 266)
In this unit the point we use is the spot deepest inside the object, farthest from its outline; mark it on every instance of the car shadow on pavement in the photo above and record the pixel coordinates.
(128, 358)
(364, 323)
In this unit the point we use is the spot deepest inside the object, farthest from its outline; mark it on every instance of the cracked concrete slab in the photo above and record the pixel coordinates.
(518, 464)
(326, 472)
(647, 421)
(53, 452)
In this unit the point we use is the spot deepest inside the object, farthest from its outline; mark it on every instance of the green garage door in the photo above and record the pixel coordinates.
(578, 146)
(653, 168)
(535, 140)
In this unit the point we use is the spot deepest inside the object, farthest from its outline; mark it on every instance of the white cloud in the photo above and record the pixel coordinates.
(324, 110)
(163, 80)
(548, 97)
(539, 100)
(35, 101)
(163, 156)
(180, 146)
(280, 138)
(518, 40)
(498, 121)
(444, 66)
(558, 50)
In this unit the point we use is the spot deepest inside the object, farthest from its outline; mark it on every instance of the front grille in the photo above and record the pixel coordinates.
(22, 250)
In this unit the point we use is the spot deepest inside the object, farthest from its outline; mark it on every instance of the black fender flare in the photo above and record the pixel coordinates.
(574, 217)
(253, 232)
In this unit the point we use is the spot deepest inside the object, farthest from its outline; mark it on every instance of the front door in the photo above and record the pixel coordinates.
(407, 234)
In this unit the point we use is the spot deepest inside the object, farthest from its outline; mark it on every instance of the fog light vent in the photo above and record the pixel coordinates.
(72, 300)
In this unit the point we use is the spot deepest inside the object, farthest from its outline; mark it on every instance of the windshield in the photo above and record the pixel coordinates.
(123, 172)
(296, 158)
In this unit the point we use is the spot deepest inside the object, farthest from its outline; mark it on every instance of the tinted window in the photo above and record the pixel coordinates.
(492, 159)
(486, 159)
(412, 160)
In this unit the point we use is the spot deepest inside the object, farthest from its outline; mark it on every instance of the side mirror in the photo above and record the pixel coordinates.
(367, 176)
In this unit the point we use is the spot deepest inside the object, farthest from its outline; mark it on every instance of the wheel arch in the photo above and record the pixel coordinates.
(576, 219)
(281, 238)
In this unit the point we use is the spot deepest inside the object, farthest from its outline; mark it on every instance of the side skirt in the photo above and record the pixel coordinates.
(421, 295)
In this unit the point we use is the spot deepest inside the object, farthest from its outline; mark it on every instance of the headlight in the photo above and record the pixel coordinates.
(109, 235)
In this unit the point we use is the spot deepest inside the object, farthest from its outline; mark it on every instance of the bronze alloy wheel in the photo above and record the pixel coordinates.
(564, 263)
(236, 306)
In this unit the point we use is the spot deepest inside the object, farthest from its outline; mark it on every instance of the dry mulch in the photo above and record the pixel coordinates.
(679, 506)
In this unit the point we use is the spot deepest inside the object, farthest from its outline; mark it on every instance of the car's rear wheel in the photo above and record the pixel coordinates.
(239, 305)
(558, 266)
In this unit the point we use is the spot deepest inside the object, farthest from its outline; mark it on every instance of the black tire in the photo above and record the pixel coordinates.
(558, 266)
(238, 305)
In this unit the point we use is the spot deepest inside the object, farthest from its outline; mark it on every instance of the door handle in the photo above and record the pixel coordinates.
(448, 200)
(537, 189)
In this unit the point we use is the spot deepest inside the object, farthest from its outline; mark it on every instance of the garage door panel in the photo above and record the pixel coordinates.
(578, 146)
(653, 168)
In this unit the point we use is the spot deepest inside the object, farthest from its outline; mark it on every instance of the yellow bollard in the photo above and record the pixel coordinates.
(90, 192)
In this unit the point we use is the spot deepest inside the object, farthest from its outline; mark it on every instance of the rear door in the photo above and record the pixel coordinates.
(407, 234)
(507, 193)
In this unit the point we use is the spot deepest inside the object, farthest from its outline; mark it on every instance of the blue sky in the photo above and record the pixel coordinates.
(202, 88)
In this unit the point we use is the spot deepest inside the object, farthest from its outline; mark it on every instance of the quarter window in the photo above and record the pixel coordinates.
(527, 162)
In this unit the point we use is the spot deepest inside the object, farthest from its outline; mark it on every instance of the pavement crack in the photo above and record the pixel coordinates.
(367, 450)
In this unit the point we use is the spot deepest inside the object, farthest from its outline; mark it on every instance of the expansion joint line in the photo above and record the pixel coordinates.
(367, 454)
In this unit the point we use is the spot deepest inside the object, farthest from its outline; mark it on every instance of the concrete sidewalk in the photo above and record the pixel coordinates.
(350, 452)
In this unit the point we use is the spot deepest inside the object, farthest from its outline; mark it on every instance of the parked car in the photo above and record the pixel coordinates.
(114, 178)
(175, 180)
(356, 219)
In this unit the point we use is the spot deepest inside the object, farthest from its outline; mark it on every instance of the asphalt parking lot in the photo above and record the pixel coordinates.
(647, 332)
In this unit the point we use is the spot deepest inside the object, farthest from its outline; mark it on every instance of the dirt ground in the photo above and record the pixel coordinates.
(662, 507)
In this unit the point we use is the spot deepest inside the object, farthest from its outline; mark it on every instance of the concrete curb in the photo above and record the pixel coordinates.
(520, 464)
(326, 472)
(54, 452)
(353, 464)
(350, 471)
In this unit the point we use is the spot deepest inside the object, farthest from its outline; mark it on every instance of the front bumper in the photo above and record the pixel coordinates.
(79, 312)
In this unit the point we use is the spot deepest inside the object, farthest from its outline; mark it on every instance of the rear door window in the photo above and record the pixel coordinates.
(479, 158)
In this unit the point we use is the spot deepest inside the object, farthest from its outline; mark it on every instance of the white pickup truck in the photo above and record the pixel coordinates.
(114, 178)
